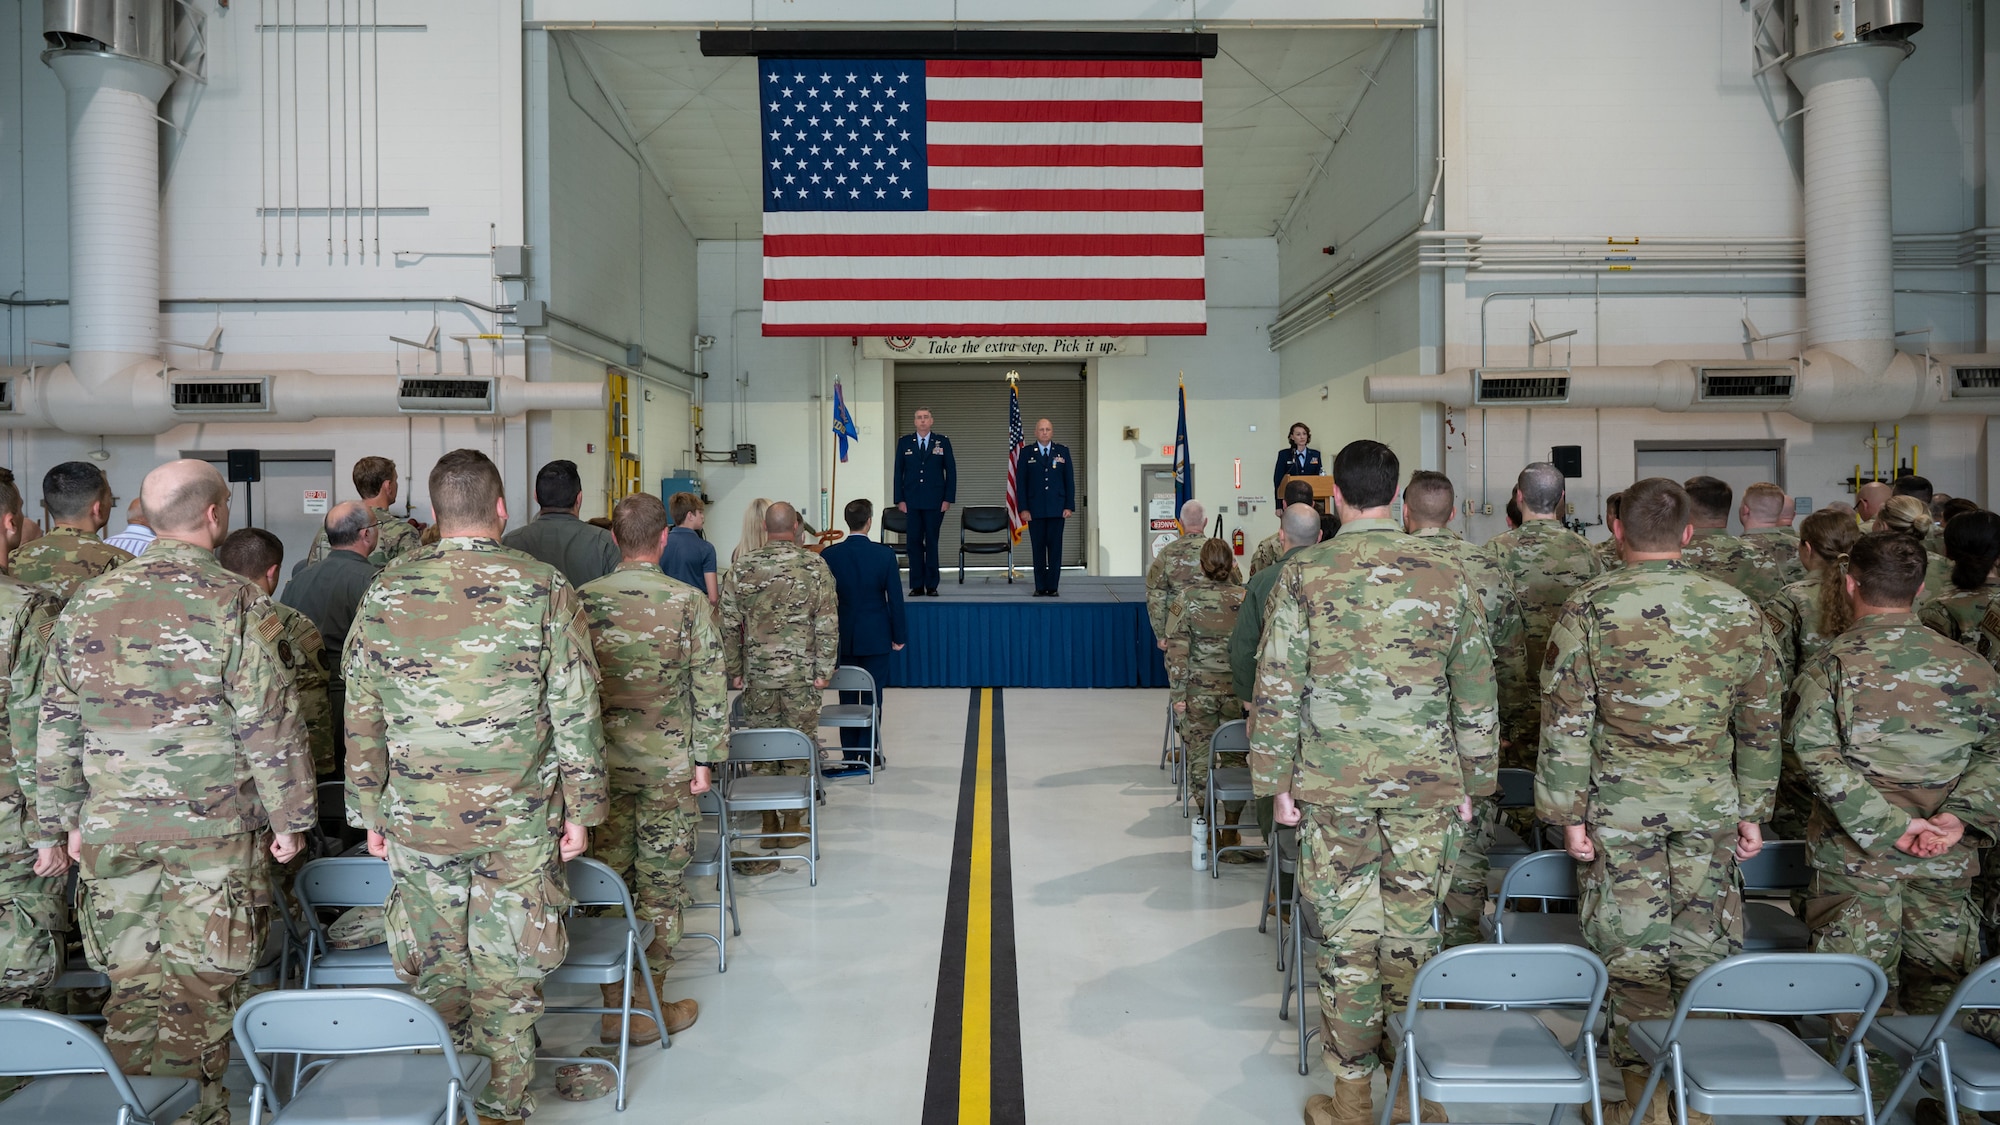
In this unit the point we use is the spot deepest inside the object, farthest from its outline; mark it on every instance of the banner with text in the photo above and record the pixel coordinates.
(1000, 347)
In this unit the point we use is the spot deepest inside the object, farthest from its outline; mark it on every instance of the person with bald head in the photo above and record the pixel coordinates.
(475, 761)
(1176, 567)
(1547, 562)
(329, 591)
(1047, 480)
(171, 753)
(137, 536)
(1869, 500)
(781, 643)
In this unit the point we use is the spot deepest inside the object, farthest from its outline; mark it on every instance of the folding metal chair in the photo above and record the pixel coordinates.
(1230, 784)
(339, 883)
(1167, 745)
(748, 792)
(897, 523)
(708, 862)
(1499, 1051)
(77, 1082)
(1778, 870)
(1729, 1067)
(1547, 876)
(1967, 1066)
(847, 677)
(375, 1073)
(1304, 928)
(1282, 859)
(604, 950)
(985, 520)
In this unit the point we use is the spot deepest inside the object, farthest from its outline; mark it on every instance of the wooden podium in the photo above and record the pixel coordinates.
(1322, 487)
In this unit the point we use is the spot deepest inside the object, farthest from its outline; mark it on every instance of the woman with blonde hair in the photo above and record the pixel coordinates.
(1805, 617)
(1909, 516)
(753, 529)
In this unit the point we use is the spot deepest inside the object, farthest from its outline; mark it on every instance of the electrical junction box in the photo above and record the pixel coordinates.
(531, 314)
(510, 263)
(746, 455)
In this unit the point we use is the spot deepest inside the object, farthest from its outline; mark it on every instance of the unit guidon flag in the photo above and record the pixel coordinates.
(965, 197)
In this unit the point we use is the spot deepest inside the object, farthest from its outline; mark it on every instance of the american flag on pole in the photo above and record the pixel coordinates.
(974, 197)
(1016, 438)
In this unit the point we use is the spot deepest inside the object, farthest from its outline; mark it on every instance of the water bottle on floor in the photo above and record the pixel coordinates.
(1198, 829)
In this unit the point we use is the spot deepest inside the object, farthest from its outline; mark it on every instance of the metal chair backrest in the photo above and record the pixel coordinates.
(1979, 989)
(343, 881)
(1232, 737)
(593, 883)
(357, 1021)
(983, 519)
(847, 677)
(1526, 976)
(712, 802)
(1780, 866)
(1786, 984)
(771, 744)
(895, 520)
(1517, 788)
(35, 1043)
(1540, 875)
(736, 712)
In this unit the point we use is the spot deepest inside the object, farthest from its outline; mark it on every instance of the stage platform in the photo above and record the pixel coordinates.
(988, 633)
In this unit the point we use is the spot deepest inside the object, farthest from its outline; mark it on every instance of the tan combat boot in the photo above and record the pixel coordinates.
(770, 843)
(1400, 1113)
(793, 822)
(1620, 1113)
(643, 1029)
(1352, 1103)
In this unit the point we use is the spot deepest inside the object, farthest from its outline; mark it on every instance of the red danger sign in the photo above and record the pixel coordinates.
(1166, 525)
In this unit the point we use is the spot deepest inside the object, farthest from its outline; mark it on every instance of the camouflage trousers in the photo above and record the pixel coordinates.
(1465, 893)
(1373, 878)
(32, 926)
(783, 705)
(648, 837)
(474, 935)
(1208, 707)
(1659, 906)
(1921, 932)
(175, 924)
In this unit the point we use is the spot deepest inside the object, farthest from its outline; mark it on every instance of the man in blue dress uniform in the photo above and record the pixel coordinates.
(1048, 495)
(926, 488)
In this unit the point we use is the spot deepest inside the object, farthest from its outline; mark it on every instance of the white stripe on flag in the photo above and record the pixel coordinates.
(982, 222)
(1064, 133)
(983, 312)
(1064, 89)
(1019, 178)
(999, 268)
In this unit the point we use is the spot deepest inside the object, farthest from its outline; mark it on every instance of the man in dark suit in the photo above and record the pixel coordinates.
(871, 612)
(1047, 483)
(926, 488)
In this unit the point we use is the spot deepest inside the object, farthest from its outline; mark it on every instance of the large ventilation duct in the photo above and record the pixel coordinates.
(1843, 52)
(110, 56)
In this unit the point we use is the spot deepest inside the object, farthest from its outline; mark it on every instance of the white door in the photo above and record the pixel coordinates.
(1740, 467)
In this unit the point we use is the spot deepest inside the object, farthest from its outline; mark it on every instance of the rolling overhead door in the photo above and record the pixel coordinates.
(968, 404)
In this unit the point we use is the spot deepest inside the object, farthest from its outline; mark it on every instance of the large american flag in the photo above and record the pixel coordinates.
(967, 197)
(1016, 438)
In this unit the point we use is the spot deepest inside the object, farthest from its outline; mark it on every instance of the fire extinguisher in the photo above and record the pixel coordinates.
(1236, 540)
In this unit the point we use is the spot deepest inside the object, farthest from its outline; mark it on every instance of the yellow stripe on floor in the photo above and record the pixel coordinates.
(975, 1065)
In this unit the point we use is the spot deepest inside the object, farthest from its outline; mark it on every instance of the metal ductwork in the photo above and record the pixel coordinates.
(1843, 52)
(111, 57)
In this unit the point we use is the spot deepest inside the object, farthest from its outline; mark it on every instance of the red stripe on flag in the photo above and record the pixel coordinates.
(1172, 328)
(1065, 156)
(986, 289)
(1137, 110)
(1064, 199)
(978, 245)
(1063, 68)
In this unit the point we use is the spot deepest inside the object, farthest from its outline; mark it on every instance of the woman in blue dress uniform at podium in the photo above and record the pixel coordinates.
(1297, 459)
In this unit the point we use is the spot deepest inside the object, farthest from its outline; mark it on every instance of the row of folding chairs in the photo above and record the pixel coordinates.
(1225, 785)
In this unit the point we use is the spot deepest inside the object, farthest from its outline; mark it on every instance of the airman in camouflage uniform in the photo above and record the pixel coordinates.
(1178, 564)
(781, 643)
(1803, 619)
(169, 746)
(79, 501)
(1429, 502)
(1547, 562)
(1769, 558)
(1198, 628)
(1660, 735)
(475, 762)
(33, 916)
(1272, 550)
(256, 556)
(1911, 517)
(1896, 725)
(376, 482)
(666, 718)
(1607, 554)
(1372, 726)
(1712, 550)
(1972, 543)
